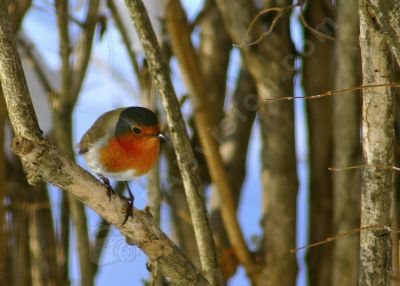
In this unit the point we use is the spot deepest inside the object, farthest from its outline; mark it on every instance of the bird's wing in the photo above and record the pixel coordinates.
(105, 124)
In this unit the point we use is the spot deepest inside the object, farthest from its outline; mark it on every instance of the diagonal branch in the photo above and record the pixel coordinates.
(180, 139)
(179, 32)
(52, 166)
(57, 169)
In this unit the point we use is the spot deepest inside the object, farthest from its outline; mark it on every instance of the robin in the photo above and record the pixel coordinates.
(122, 144)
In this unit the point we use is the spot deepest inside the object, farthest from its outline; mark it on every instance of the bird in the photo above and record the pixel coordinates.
(122, 144)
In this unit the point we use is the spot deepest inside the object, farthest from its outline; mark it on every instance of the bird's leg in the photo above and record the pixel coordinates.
(106, 183)
(130, 204)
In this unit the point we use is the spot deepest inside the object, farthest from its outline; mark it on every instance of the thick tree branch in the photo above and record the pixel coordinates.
(60, 171)
(23, 117)
(53, 167)
(180, 139)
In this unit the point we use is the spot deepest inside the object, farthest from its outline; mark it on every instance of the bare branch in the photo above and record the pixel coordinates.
(65, 48)
(53, 167)
(180, 139)
(380, 230)
(339, 169)
(60, 171)
(179, 32)
(281, 11)
(279, 178)
(334, 92)
(16, 95)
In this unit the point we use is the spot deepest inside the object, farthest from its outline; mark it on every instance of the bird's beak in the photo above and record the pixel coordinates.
(161, 136)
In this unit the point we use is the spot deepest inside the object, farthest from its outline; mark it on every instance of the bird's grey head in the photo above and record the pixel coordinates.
(132, 116)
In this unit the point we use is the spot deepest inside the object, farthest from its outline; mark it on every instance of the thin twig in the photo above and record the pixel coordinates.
(281, 11)
(364, 166)
(313, 30)
(388, 229)
(53, 11)
(334, 92)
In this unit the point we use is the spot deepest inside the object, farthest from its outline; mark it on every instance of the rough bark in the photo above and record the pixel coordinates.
(387, 15)
(57, 169)
(318, 76)
(378, 148)
(346, 130)
(269, 65)
(24, 114)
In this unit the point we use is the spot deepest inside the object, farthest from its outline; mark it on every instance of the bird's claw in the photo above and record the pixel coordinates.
(110, 190)
(129, 206)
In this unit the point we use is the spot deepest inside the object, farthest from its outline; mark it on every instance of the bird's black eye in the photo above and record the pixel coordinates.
(136, 130)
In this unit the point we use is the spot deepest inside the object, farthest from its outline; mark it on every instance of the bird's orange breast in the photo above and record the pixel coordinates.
(130, 152)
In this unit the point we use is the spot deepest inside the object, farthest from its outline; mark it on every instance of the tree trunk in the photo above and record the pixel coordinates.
(269, 63)
(346, 130)
(378, 149)
(318, 51)
(396, 194)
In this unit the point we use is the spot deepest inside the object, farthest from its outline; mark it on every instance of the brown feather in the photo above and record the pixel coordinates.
(103, 125)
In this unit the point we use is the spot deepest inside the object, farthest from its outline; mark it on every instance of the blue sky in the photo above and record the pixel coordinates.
(122, 264)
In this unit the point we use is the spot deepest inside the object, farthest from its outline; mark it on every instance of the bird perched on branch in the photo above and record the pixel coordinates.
(122, 144)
